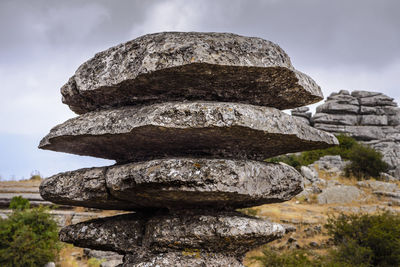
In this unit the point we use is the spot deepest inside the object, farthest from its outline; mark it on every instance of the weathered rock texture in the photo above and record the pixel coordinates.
(182, 259)
(175, 183)
(196, 129)
(371, 117)
(183, 166)
(228, 233)
(175, 66)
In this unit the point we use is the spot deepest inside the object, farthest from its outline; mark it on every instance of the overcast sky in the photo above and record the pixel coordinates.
(353, 45)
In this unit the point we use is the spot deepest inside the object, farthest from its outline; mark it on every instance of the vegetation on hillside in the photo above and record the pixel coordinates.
(28, 237)
(360, 240)
(365, 161)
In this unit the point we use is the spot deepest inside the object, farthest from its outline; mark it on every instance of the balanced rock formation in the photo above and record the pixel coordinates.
(370, 117)
(189, 118)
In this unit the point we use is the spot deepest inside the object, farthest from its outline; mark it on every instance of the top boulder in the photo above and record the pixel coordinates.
(178, 66)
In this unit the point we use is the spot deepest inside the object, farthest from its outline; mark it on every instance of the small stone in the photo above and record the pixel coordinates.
(195, 129)
(178, 66)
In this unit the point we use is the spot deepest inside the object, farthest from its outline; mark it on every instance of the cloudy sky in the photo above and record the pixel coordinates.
(353, 45)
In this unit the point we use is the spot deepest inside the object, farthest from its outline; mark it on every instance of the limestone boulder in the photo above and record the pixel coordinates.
(229, 233)
(178, 66)
(336, 107)
(378, 120)
(337, 119)
(121, 233)
(195, 129)
(340, 194)
(181, 259)
(175, 183)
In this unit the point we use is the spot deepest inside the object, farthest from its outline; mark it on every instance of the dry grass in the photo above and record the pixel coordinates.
(69, 257)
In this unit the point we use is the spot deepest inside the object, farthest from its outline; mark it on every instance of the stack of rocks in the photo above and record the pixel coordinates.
(303, 114)
(189, 118)
(371, 117)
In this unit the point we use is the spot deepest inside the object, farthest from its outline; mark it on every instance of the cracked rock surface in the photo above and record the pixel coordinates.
(178, 66)
(195, 129)
(181, 259)
(175, 183)
(231, 233)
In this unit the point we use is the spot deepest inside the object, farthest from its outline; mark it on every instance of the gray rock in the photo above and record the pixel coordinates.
(362, 133)
(99, 254)
(377, 100)
(50, 264)
(196, 129)
(337, 119)
(215, 183)
(343, 99)
(222, 232)
(394, 195)
(330, 163)
(361, 94)
(177, 66)
(121, 233)
(365, 110)
(390, 151)
(111, 263)
(387, 177)
(301, 110)
(175, 183)
(339, 194)
(181, 259)
(309, 173)
(335, 107)
(229, 233)
(378, 185)
(84, 187)
(374, 120)
(302, 119)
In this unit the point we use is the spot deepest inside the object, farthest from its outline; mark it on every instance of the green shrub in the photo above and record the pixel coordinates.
(291, 258)
(28, 237)
(346, 144)
(19, 203)
(366, 240)
(365, 163)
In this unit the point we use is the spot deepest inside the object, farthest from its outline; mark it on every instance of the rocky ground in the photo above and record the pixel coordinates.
(327, 193)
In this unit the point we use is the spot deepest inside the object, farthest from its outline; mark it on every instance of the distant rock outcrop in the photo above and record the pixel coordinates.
(370, 117)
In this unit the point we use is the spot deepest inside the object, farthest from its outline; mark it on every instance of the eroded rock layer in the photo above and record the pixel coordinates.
(181, 259)
(176, 66)
(175, 184)
(195, 129)
(230, 233)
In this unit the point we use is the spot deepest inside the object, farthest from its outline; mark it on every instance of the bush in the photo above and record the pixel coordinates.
(346, 144)
(28, 237)
(291, 258)
(366, 240)
(365, 163)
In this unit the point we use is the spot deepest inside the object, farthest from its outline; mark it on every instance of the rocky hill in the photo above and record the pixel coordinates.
(370, 117)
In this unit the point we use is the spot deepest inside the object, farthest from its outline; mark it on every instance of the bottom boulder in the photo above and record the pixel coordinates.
(228, 233)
